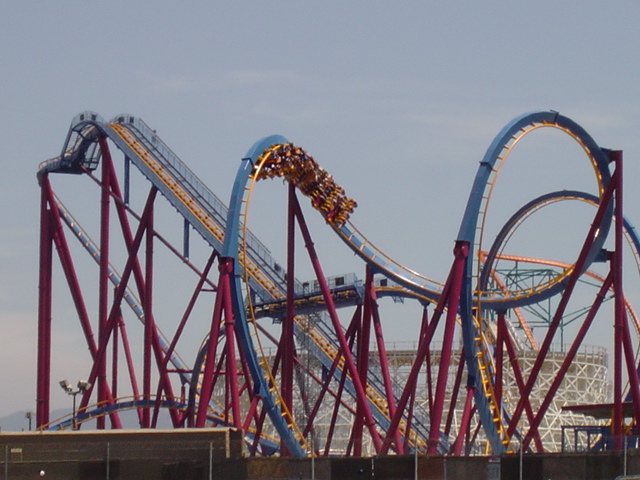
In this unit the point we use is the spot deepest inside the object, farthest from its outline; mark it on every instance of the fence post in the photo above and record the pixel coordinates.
(108, 460)
(624, 461)
(211, 459)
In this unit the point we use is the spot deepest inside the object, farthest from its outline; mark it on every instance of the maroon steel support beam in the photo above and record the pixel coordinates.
(454, 394)
(130, 364)
(370, 292)
(114, 357)
(619, 308)
(258, 433)
(223, 295)
(564, 300)
(427, 358)
(247, 388)
(113, 317)
(232, 365)
(222, 309)
(121, 210)
(331, 310)
(464, 423)
(183, 321)
(362, 347)
(149, 327)
(44, 307)
(499, 357)
(461, 252)
(286, 338)
(423, 348)
(407, 433)
(622, 337)
(517, 373)
(566, 363)
(334, 415)
(103, 287)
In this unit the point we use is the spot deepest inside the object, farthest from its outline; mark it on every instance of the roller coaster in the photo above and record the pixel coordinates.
(318, 378)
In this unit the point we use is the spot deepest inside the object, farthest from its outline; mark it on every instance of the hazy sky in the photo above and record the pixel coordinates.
(398, 100)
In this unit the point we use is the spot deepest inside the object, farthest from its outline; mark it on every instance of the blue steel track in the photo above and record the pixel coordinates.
(81, 155)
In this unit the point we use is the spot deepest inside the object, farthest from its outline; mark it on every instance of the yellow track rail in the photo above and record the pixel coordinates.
(252, 269)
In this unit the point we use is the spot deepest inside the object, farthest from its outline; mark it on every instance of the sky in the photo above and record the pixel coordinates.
(397, 100)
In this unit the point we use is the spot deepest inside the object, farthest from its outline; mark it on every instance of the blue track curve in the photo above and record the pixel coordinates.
(71, 163)
(230, 250)
(514, 129)
(467, 233)
(535, 204)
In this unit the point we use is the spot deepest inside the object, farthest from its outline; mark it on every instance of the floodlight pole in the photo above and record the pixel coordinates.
(83, 387)
(74, 425)
(29, 416)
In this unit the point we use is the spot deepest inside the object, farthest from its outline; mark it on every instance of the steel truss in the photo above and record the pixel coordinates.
(323, 382)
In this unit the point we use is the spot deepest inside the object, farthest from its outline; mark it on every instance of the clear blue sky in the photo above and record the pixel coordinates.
(398, 100)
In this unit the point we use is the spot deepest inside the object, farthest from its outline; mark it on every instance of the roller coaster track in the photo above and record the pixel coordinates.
(205, 212)
(91, 412)
(285, 160)
(489, 258)
(225, 229)
(201, 208)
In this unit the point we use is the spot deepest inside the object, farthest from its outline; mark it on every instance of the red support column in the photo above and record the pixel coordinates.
(44, 307)
(164, 382)
(566, 295)
(464, 423)
(113, 317)
(331, 310)
(423, 348)
(149, 327)
(517, 373)
(334, 416)
(619, 307)
(130, 366)
(114, 358)
(132, 246)
(499, 355)
(232, 364)
(286, 338)
(370, 292)
(427, 358)
(461, 253)
(566, 363)
(207, 382)
(364, 336)
(454, 394)
(103, 288)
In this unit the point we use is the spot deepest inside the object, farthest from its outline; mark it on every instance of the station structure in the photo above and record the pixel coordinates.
(302, 366)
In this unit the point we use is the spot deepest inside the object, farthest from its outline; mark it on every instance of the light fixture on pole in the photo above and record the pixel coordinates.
(83, 386)
(29, 416)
